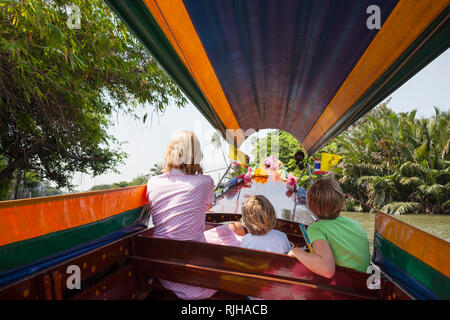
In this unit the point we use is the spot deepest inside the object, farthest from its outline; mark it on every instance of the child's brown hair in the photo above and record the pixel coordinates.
(258, 215)
(325, 198)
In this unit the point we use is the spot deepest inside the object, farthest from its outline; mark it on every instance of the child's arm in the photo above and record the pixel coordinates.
(237, 228)
(320, 262)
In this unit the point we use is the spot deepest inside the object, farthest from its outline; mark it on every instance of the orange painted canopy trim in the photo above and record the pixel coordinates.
(174, 21)
(427, 248)
(390, 42)
(26, 219)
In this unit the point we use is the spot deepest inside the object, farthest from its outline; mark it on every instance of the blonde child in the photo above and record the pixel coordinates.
(336, 240)
(259, 218)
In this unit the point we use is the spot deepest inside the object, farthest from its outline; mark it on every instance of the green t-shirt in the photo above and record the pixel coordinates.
(347, 239)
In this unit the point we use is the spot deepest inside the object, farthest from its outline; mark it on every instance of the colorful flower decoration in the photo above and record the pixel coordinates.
(291, 183)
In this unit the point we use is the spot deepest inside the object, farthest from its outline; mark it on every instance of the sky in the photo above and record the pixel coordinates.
(146, 143)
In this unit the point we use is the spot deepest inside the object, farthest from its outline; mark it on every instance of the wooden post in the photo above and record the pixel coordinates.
(45, 287)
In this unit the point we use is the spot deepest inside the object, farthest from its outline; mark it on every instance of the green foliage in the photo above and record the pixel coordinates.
(121, 184)
(287, 146)
(398, 208)
(446, 205)
(139, 180)
(114, 185)
(410, 169)
(391, 160)
(59, 86)
(27, 184)
(5, 186)
(352, 205)
(397, 162)
(156, 170)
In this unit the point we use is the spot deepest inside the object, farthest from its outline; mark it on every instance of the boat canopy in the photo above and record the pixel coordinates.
(311, 68)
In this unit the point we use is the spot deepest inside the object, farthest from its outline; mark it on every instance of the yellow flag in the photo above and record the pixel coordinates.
(239, 156)
(328, 160)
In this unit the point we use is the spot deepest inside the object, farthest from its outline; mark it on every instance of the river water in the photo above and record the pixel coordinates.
(438, 225)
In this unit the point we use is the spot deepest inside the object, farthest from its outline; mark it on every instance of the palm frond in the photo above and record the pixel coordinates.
(421, 152)
(412, 169)
(398, 208)
(445, 150)
(443, 177)
(364, 181)
(411, 182)
(446, 205)
(435, 190)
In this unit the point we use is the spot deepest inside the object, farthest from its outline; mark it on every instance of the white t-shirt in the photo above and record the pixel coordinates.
(273, 241)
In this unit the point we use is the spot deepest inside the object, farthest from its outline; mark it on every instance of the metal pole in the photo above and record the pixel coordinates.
(309, 172)
(218, 184)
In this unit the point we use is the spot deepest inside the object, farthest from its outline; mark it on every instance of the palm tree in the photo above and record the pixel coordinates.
(156, 170)
(397, 162)
(216, 140)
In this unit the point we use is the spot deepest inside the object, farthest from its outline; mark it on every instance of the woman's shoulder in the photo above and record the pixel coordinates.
(167, 179)
(178, 174)
(157, 178)
(203, 179)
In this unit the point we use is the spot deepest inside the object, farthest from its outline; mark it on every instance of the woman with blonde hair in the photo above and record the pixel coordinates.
(178, 200)
(184, 153)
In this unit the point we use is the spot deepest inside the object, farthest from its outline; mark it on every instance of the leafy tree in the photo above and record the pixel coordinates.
(104, 186)
(6, 185)
(397, 162)
(139, 180)
(59, 86)
(217, 142)
(155, 170)
(287, 146)
(392, 161)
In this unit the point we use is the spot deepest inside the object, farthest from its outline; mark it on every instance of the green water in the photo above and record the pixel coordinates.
(438, 225)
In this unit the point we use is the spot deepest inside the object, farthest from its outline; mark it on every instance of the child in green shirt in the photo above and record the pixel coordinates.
(335, 240)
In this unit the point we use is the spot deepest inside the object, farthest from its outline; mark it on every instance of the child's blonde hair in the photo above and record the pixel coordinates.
(325, 198)
(258, 215)
(184, 153)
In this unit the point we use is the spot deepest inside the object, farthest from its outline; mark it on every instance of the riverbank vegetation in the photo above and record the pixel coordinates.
(59, 86)
(395, 162)
(139, 180)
